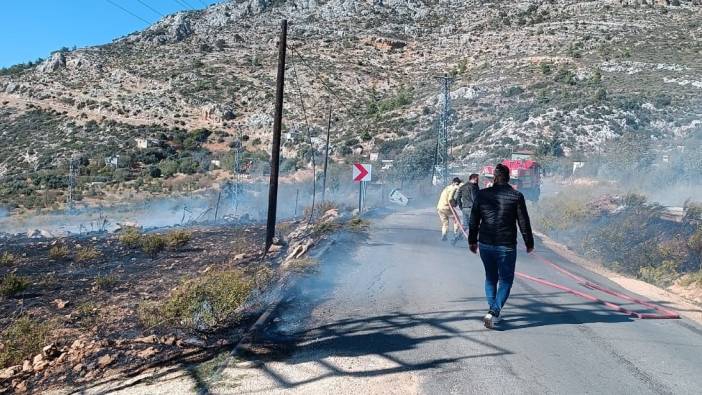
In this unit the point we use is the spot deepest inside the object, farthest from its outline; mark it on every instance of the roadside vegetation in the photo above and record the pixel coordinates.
(627, 233)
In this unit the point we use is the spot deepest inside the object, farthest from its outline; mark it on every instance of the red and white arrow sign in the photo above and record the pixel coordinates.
(361, 172)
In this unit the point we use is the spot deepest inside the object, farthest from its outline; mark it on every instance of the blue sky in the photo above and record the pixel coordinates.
(30, 29)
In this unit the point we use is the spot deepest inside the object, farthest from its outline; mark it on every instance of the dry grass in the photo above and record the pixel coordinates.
(105, 283)
(58, 252)
(87, 254)
(357, 224)
(130, 237)
(24, 338)
(177, 239)
(153, 244)
(12, 284)
(7, 259)
(304, 264)
(200, 304)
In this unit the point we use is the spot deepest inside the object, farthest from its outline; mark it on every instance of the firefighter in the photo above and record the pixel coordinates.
(464, 197)
(446, 201)
(493, 225)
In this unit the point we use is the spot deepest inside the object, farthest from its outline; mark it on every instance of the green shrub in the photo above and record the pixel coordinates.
(153, 244)
(105, 282)
(357, 224)
(130, 237)
(200, 304)
(177, 239)
(7, 259)
(58, 252)
(663, 275)
(12, 284)
(86, 254)
(24, 338)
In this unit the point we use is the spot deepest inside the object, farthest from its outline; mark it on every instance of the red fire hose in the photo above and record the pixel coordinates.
(661, 313)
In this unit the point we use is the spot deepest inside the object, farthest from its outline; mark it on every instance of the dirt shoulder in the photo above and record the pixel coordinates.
(677, 302)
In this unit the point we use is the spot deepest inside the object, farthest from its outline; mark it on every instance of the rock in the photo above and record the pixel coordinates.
(9, 372)
(105, 360)
(248, 364)
(57, 61)
(239, 257)
(275, 248)
(191, 342)
(21, 387)
(60, 303)
(50, 351)
(78, 344)
(146, 339)
(78, 368)
(168, 340)
(148, 353)
(38, 358)
(40, 366)
(27, 366)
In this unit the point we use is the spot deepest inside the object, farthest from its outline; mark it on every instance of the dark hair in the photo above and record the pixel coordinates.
(456, 180)
(473, 176)
(501, 174)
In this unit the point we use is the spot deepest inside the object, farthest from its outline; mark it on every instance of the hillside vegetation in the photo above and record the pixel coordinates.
(563, 78)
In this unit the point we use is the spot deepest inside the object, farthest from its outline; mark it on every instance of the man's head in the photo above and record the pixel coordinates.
(501, 174)
(473, 178)
(456, 181)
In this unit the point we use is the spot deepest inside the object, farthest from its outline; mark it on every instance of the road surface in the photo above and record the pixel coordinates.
(400, 312)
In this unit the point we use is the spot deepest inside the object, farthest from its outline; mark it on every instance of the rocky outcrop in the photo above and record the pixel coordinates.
(56, 62)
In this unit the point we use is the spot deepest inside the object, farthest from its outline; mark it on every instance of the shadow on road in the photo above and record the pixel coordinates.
(535, 310)
(388, 337)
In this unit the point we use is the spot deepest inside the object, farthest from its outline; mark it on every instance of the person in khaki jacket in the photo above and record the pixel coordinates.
(446, 200)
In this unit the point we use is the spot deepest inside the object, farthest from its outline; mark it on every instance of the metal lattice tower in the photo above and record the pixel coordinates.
(442, 141)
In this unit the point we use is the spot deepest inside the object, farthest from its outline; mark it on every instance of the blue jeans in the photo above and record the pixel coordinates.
(499, 263)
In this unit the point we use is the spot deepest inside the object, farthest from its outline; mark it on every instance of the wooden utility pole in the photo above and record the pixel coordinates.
(326, 157)
(277, 124)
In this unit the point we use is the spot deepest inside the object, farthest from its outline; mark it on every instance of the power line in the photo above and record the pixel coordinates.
(142, 2)
(128, 12)
(309, 136)
(184, 4)
(318, 77)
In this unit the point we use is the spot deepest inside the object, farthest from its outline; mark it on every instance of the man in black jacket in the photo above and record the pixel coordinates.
(465, 196)
(493, 223)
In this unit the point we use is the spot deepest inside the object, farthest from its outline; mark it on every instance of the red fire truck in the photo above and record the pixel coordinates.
(525, 175)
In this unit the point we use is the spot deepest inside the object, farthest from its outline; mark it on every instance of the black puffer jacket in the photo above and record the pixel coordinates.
(495, 214)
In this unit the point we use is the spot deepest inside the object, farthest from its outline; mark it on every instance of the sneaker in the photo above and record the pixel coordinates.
(490, 320)
(443, 238)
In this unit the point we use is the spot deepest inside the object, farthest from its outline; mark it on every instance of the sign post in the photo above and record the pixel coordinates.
(362, 173)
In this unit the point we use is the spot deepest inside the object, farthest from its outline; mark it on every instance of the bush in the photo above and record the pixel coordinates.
(87, 254)
(7, 259)
(153, 244)
(22, 339)
(130, 237)
(12, 284)
(200, 304)
(357, 224)
(105, 282)
(58, 252)
(177, 239)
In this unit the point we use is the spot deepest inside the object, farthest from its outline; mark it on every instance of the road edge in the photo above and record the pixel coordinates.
(684, 307)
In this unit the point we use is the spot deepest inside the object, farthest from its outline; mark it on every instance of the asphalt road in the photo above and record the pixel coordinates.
(400, 312)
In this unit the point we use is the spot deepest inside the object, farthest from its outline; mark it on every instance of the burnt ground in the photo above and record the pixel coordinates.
(97, 333)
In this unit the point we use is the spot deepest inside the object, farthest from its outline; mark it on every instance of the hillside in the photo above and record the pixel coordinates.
(562, 77)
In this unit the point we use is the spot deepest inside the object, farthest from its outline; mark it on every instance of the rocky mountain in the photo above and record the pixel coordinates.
(559, 76)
